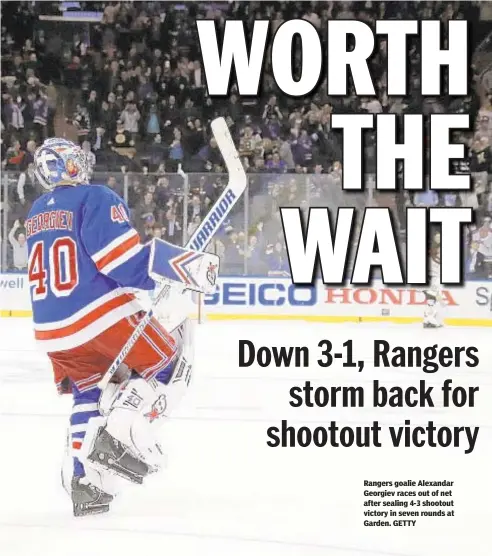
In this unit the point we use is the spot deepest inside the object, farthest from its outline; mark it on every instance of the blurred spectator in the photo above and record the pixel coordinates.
(480, 164)
(176, 153)
(130, 117)
(82, 122)
(481, 250)
(426, 198)
(193, 225)
(276, 258)
(90, 157)
(17, 238)
(173, 226)
(195, 207)
(13, 110)
(145, 214)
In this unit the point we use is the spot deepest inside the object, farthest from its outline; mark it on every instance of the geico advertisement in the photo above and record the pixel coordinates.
(264, 293)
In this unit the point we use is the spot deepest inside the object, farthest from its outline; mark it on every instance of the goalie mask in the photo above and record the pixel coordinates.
(60, 162)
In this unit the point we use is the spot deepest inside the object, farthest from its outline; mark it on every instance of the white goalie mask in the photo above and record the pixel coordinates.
(60, 162)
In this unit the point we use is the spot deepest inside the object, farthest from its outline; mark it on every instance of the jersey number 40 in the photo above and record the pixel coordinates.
(62, 274)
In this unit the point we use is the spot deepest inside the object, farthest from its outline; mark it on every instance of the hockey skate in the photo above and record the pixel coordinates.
(432, 325)
(113, 456)
(88, 499)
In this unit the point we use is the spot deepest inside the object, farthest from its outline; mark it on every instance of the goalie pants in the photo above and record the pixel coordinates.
(85, 365)
(81, 368)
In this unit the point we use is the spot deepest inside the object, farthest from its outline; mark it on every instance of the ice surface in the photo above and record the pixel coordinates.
(225, 492)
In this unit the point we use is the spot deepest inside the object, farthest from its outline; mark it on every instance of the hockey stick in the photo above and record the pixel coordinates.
(198, 241)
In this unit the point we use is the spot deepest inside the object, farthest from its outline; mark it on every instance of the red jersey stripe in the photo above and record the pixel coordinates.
(118, 251)
(85, 320)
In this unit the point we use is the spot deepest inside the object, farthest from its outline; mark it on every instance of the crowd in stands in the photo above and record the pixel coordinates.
(132, 92)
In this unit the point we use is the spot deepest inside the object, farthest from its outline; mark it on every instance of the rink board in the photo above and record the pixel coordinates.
(276, 299)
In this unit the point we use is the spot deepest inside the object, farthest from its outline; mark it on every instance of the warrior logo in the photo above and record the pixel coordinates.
(157, 409)
(211, 273)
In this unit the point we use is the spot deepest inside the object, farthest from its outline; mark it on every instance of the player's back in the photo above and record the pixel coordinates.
(81, 247)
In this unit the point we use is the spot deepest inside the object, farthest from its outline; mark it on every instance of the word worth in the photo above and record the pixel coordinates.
(298, 33)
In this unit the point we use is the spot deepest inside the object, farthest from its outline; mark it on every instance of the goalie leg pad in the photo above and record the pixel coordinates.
(133, 418)
(142, 407)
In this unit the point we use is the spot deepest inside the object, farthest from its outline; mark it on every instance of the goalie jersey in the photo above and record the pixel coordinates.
(84, 261)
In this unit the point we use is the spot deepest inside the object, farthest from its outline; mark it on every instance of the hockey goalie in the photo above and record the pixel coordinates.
(85, 262)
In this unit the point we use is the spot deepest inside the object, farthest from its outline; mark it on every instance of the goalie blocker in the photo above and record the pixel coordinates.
(195, 270)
